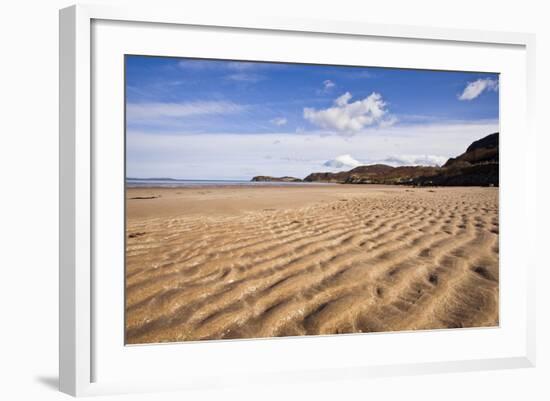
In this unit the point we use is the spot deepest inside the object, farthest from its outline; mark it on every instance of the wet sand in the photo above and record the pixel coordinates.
(247, 262)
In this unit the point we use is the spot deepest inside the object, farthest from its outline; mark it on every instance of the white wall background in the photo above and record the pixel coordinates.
(29, 196)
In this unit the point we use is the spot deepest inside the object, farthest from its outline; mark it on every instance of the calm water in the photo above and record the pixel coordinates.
(139, 182)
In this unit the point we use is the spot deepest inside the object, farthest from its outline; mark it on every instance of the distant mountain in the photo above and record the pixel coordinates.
(375, 174)
(266, 178)
(478, 166)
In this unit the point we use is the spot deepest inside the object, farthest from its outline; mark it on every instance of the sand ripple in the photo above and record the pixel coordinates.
(412, 259)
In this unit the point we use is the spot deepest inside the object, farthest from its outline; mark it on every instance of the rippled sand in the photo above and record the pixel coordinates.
(220, 263)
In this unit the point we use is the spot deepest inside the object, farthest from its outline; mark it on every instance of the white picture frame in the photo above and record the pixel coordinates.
(79, 316)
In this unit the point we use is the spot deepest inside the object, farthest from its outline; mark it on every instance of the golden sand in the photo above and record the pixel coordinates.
(248, 262)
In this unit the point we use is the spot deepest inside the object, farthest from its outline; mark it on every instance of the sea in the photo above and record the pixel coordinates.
(177, 183)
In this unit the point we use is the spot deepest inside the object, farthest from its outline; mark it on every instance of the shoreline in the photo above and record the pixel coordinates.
(232, 184)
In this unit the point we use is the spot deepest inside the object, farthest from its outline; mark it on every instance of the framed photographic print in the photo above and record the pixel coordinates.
(274, 200)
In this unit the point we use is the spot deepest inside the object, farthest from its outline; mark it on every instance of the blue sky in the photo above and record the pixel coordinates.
(210, 119)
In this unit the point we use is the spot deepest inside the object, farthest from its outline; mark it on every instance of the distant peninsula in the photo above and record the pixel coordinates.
(266, 178)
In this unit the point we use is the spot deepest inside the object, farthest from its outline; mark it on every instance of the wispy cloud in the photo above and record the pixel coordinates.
(347, 162)
(241, 71)
(415, 160)
(356, 73)
(245, 77)
(476, 88)
(328, 84)
(198, 155)
(244, 65)
(350, 118)
(279, 121)
(365, 74)
(151, 111)
(199, 65)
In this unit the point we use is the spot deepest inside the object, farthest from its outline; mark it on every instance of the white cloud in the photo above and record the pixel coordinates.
(328, 84)
(342, 162)
(152, 111)
(415, 160)
(350, 118)
(279, 121)
(476, 88)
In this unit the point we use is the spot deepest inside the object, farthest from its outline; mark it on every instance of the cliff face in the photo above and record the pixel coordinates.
(482, 174)
(478, 166)
(484, 150)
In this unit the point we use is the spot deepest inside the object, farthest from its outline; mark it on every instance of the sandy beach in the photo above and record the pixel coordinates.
(263, 261)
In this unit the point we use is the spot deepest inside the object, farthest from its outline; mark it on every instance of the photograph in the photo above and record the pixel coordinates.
(273, 199)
